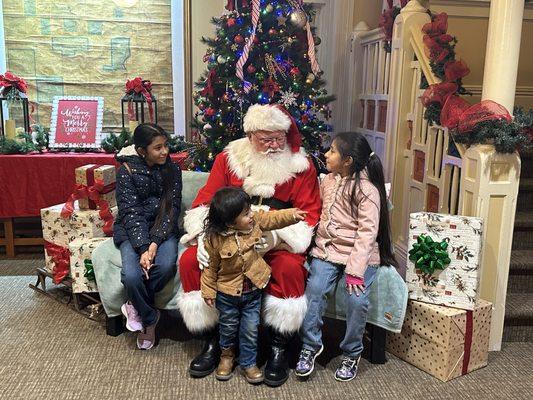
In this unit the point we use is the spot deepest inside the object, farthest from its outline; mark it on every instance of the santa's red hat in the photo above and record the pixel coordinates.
(273, 118)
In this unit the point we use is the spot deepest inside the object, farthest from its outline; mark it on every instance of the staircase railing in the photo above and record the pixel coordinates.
(428, 171)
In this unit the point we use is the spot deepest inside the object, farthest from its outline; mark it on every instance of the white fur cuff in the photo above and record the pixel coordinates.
(284, 315)
(193, 223)
(297, 236)
(197, 315)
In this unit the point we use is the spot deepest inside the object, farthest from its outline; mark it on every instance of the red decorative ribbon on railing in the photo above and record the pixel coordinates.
(142, 87)
(61, 258)
(462, 117)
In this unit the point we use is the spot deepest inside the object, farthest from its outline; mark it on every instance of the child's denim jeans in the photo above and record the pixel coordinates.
(323, 276)
(239, 317)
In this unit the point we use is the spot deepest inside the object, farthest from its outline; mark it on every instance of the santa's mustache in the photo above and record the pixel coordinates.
(271, 151)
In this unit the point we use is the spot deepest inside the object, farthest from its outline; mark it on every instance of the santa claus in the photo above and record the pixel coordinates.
(273, 168)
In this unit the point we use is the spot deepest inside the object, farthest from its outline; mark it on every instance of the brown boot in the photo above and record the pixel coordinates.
(253, 374)
(224, 370)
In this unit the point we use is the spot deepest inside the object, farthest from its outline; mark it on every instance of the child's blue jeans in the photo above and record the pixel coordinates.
(323, 276)
(239, 316)
(141, 291)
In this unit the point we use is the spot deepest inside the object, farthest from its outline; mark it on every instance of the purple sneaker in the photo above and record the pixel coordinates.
(348, 369)
(146, 337)
(133, 320)
(306, 362)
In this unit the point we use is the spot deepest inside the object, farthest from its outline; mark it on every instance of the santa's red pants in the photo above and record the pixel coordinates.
(287, 280)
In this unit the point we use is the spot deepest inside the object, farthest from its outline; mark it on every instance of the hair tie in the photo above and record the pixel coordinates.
(371, 154)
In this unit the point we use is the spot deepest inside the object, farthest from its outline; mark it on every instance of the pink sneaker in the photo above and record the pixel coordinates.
(133, 320)
(146, 337)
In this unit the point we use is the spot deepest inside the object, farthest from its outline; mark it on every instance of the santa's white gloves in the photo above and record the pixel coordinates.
(268, 241)
(202, 255)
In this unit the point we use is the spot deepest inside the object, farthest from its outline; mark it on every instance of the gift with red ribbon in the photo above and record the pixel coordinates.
(443, 341)
(138, 88)
(100, 183)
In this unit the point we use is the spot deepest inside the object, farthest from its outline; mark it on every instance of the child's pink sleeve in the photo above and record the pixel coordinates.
(354, 280)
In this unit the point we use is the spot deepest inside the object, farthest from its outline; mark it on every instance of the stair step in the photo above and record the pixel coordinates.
(523, 220)
(527, 164)
(523, 231)
(518, 326)
(525, 195)
(521, 272)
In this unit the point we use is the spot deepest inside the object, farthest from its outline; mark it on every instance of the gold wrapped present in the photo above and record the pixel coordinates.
(81, 268)
(445, 342)
(99, 181)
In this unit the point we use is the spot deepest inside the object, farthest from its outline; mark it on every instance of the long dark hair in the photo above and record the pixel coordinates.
(143, 136)
(355, 145)
(226, 205)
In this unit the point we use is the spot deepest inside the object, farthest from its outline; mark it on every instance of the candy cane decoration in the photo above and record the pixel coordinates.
(246, 50)
(311, 50)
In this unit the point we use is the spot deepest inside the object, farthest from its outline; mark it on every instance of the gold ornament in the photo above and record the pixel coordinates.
(281, 20)
(310, 78)
(269, 8)
(221, 60)
(298, 18)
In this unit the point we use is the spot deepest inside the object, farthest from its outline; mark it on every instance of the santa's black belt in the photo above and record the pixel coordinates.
(271, 202)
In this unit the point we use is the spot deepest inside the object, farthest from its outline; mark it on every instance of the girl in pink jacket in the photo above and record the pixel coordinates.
(352, 241)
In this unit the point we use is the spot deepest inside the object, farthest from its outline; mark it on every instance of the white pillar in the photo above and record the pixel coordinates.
(178, 66)
(503, 49)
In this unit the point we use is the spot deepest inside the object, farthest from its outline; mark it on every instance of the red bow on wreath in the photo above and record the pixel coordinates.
(10, 81)
(142, 87)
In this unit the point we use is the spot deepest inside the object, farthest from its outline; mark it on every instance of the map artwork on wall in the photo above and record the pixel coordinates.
(76, 122)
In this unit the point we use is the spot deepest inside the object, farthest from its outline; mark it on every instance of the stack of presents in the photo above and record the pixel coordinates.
(72, 230)
(446, 328)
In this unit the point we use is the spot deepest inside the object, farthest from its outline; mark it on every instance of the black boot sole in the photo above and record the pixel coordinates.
(201, 374)
(272, 383)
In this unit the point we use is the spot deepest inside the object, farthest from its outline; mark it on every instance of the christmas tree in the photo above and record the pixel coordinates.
(264, 52)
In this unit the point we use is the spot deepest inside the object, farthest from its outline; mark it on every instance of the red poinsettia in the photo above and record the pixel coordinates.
(438, 93)
(438, 26)
(270, 86)
(9, 80)
(455, 69)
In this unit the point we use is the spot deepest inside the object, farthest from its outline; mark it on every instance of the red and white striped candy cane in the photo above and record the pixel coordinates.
(246, 50)
(311, 50)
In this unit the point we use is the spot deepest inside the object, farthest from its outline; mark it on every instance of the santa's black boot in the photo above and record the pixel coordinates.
(206, 362)
(277, 367)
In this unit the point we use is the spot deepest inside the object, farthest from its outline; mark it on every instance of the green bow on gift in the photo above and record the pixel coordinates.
(89, 270)
(429, 255)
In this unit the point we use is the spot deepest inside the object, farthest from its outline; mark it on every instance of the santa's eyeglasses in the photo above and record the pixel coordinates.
(270, 141)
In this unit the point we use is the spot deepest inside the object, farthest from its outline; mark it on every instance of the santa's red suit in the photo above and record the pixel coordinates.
(289, 179)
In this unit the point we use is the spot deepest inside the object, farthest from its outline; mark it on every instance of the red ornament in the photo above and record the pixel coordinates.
(230, 22)
(270, 86)
(238, 39)
(272, 32)
(226, 97)
(295, 71)
(251, 69)
(201, 106)
(305, 118)
(256, 40)
(210, 112)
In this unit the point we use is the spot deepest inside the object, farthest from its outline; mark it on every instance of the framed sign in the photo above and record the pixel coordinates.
(76, 122)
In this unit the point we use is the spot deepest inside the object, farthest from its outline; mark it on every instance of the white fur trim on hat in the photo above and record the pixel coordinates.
(284, 315)
(265, 118)
(197, 315)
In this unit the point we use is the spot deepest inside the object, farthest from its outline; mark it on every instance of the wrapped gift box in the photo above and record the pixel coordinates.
(443, 341)
(81, 265)
(82, 224)
(456, 285)
(88, 174)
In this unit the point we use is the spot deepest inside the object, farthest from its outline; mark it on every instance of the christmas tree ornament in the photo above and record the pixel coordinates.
(298, 18)
(310, 78)
(272, 32)
(305, 118)
(256, 40)
(250, 69)
(234, 47)
(281, 20)
(221, 60)
(230, 22)
(238, 39)
(207, 126)
(269, 8)
(226, 97)
(210, 112)
(288, 98)
(295, 71)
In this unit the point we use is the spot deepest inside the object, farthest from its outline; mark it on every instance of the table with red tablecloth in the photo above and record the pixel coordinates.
(29, 182)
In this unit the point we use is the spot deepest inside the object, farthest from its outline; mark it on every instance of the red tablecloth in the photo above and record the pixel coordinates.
(30, 182)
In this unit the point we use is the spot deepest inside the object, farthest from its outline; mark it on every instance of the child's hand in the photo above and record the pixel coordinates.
(356, 289)
(299, 215)
(152, 250)
(210, 302)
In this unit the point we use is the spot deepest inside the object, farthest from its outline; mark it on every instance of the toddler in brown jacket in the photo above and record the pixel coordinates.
(236, 273)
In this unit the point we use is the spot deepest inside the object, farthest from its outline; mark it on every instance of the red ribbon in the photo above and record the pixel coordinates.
(9, 80)
(61, 258)
(143, 87)
(208, 90)
(468, 341)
